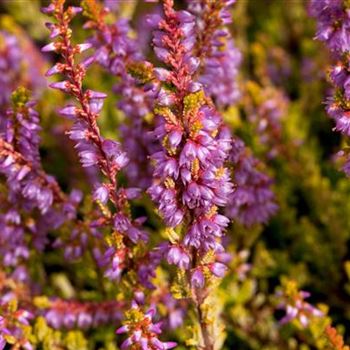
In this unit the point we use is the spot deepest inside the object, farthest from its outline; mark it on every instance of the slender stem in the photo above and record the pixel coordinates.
(205, 331)
(198, 299)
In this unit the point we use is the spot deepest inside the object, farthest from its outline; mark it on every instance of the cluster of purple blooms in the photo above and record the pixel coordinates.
(188, 177)
(10, 327)
(23, 170)
(253, 201)
(29, 187)
(333, 25)
(33, 203)
(141, 329)
(15, 70)
(190, 180)
(296, 308)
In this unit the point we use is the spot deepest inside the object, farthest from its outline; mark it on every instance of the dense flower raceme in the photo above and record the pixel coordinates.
(189, 173)
(117, 52)
(20, 156)
(190, 179)
(94, 150)
(333, 25)
(253, 200)
(69, 314)
(215, 48)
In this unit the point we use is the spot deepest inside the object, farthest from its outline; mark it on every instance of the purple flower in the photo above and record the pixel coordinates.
(218, 269)
(178, 256)
(190, 180)
(332, 24)
(197, 279)
(101, 193)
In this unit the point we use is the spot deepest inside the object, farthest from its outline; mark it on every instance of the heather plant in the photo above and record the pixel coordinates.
(169, 177)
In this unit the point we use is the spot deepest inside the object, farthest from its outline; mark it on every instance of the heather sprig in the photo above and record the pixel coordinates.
(293, 302)
(253, 201)
(13, 320)
(188, 175)
(34, 202)
(94, 150)
(190, 179)
(333, 29)
(141, 329)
